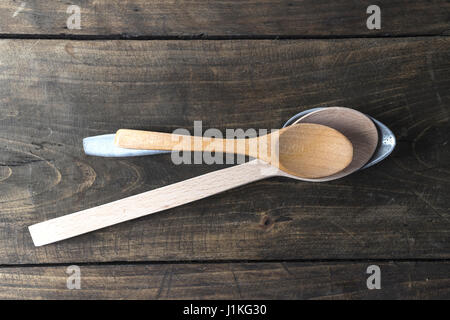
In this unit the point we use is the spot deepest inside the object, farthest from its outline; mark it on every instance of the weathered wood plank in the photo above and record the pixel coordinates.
(53, 93)
(225, 18)
(287, 280)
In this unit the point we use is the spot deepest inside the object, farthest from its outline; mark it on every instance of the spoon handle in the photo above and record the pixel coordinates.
(140, 205)
(147, 140)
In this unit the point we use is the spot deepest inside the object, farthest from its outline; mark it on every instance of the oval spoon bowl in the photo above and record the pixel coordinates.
(356, 126)
(386, 139)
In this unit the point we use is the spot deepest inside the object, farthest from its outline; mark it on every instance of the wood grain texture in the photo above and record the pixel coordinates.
(286, 280)
(225, 18)
(53, 93)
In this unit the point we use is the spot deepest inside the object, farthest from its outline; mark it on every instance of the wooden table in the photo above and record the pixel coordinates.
(161, 65)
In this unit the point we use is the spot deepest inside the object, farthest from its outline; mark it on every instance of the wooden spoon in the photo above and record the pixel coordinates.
(356, 126)
(304, 150)
(328, 148)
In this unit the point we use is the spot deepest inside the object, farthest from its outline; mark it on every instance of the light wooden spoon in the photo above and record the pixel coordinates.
(356, 126)
(198, 188)
(306, 150)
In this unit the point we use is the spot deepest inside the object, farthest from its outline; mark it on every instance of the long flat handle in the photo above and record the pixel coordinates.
(136, 206)
(145, 140)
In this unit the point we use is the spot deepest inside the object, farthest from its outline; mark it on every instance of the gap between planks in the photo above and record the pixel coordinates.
(168, 262)
(88, 37)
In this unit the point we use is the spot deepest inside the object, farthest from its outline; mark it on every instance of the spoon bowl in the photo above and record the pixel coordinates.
(310, 151)
(386, 139)
(356, 126)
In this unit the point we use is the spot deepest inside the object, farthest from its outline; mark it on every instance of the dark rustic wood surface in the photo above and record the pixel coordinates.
(249, 240)
(282, 280)
(204, 18)
(397, 209)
